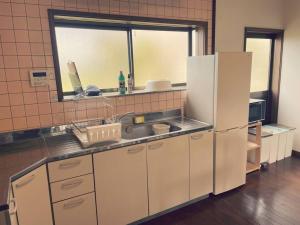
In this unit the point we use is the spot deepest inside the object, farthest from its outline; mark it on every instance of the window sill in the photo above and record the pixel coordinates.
(116, 94)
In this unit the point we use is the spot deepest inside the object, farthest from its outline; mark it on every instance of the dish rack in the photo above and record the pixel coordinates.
(94, 131)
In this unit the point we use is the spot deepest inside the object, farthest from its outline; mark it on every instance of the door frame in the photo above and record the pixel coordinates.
(277, 37)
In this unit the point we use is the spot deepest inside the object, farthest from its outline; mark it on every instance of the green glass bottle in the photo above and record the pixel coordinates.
(122, 88)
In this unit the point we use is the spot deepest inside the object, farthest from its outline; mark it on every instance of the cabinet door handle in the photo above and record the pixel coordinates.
(73, 204)
(68, 165)
(25, 182)
(71, 184)
(156, 146)
(197, 136)
(136, 149)
(13, 211)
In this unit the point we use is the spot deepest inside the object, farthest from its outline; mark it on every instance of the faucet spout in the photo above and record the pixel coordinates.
(124, 115)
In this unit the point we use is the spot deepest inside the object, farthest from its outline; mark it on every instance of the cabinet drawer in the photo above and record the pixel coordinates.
(76, 211)
(68, 168)
(72, 187)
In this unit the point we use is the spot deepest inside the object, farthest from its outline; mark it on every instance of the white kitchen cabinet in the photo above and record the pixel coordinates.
(121, 185)
(12, 209)
(31, 193)
(201, 164)
(230, 159)
(76, 211)
(168, 173)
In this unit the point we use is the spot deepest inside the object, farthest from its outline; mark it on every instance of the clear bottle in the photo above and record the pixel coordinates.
(130, 83)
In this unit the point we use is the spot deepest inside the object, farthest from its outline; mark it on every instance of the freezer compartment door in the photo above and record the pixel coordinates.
(233, 74)
(200, 88)
(230, 159)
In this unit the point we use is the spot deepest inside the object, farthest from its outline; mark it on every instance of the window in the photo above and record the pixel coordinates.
(102, 46)
(99, 56)
(266, 47)
(261, 49)
(156, 57)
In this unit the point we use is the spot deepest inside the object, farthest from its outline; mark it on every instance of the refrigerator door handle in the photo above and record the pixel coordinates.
(247, 125)
(228, 130)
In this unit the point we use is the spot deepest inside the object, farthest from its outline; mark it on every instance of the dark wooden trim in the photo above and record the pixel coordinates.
(296, 154)
(190, 42)
(213, 37)
(194, 23)
(257, 30)
(276, 79)
(60, 96)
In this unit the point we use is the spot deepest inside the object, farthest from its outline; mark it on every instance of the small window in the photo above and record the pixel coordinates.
(159, 55)
(99, 56)
(261, 49)
(101, 46)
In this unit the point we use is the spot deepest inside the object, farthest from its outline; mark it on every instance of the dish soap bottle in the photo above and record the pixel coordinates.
(130, 83)
(122, 88)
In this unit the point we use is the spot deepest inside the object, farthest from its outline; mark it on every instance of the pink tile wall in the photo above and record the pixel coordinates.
(25, 44)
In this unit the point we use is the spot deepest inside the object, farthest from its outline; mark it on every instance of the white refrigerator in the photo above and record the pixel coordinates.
(218, 92)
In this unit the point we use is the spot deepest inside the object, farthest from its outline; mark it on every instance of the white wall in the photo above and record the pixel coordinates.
(289, 101)
(234, 15)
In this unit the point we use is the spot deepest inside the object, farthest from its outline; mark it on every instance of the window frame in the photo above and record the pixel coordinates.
(126, 23)
(272, 94)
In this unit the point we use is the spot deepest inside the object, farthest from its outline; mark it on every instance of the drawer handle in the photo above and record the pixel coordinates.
(13, 211)
(156, 146)
(73, 204)
(68, 165)
(25, 182)
(136, 149)
(71, 184)
(197, 136)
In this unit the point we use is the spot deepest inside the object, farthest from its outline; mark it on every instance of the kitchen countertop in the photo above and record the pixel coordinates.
(19, 158)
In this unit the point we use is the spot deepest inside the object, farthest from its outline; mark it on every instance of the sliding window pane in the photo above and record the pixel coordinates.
(99, 56)
(159, 55)
(261, 50)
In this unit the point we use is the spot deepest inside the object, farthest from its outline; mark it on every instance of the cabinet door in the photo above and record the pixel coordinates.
(32, 197)
(265, 149)
(12, 209)
(168, 173)
(230, 159)
(201, 164)
(76, 211)
(121, 185)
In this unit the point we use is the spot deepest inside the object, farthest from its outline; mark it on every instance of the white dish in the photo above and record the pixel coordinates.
(158, 85)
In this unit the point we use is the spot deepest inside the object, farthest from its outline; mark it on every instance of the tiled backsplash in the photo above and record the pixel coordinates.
(25, 44)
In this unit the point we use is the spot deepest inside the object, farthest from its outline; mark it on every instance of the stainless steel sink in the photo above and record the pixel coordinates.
(130, 132)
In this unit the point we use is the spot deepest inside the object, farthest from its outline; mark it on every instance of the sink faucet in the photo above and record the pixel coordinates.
(124, 115)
